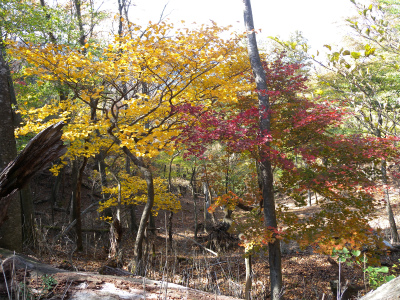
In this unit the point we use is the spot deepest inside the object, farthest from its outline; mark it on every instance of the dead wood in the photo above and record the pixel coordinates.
(83, 285)
(348, 291)
(219, 239)
(43, 149)
(195, 242)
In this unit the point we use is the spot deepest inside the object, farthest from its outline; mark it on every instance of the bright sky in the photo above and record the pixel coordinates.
(319, 20)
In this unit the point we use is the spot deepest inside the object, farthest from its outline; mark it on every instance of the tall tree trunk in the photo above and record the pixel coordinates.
(11, 230)
(265, 164)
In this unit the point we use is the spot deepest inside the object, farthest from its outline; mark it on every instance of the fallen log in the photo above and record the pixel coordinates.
(23, 271)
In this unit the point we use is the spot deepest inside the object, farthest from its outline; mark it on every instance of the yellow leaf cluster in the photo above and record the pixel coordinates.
(134, 191)
(134, 82)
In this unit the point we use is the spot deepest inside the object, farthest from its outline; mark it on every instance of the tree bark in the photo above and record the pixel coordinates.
(27, 213)
(207, 203)
(138, 249)
(247, 290)
(265, 164)
(10, 232)
(115, 240)
(171, 214)
(227, 220)
(76, 212)
(44, 148)
(116, 228)
(392, 222)
(194, 195)
(82, 37)
(389, 211)
(136, 264)
(148, 177)
(132, 207)
(101, 167)
(54, 193)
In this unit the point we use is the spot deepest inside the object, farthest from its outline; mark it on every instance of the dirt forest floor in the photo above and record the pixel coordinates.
(306, 275)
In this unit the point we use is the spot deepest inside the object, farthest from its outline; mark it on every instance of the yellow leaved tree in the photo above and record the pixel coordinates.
(125, 96)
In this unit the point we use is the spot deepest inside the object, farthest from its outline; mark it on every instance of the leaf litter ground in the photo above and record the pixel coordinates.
(306, 274)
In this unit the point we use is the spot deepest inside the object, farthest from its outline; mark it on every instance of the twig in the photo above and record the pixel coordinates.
(5, 280)
(209, 250)
(68, 228)
(65, 292)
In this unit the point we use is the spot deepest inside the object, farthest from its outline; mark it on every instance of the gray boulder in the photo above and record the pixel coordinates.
(387, 291)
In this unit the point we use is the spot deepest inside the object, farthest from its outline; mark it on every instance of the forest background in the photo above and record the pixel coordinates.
(152, 111)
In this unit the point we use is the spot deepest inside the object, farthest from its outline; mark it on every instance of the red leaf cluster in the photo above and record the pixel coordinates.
(339, 167)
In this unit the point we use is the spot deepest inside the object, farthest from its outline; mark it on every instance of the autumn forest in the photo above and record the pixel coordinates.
(192, 162)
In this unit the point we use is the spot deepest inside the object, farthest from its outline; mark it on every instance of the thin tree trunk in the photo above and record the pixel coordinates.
(194, 195)
(207, 200)
(144, 168)
(227, 220)
(51, 35)
(152, 224)
(52, 38)
(101, 167)
(389, 211)
(28, 214)
(54, 193)
(77, 203)
(116, 228)
(148, 177)
(171, 214)
(247, 290)
(265, 164)
(392, 222)
(82, 37)
(132, 212)
(138, 249)
(132, 207)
